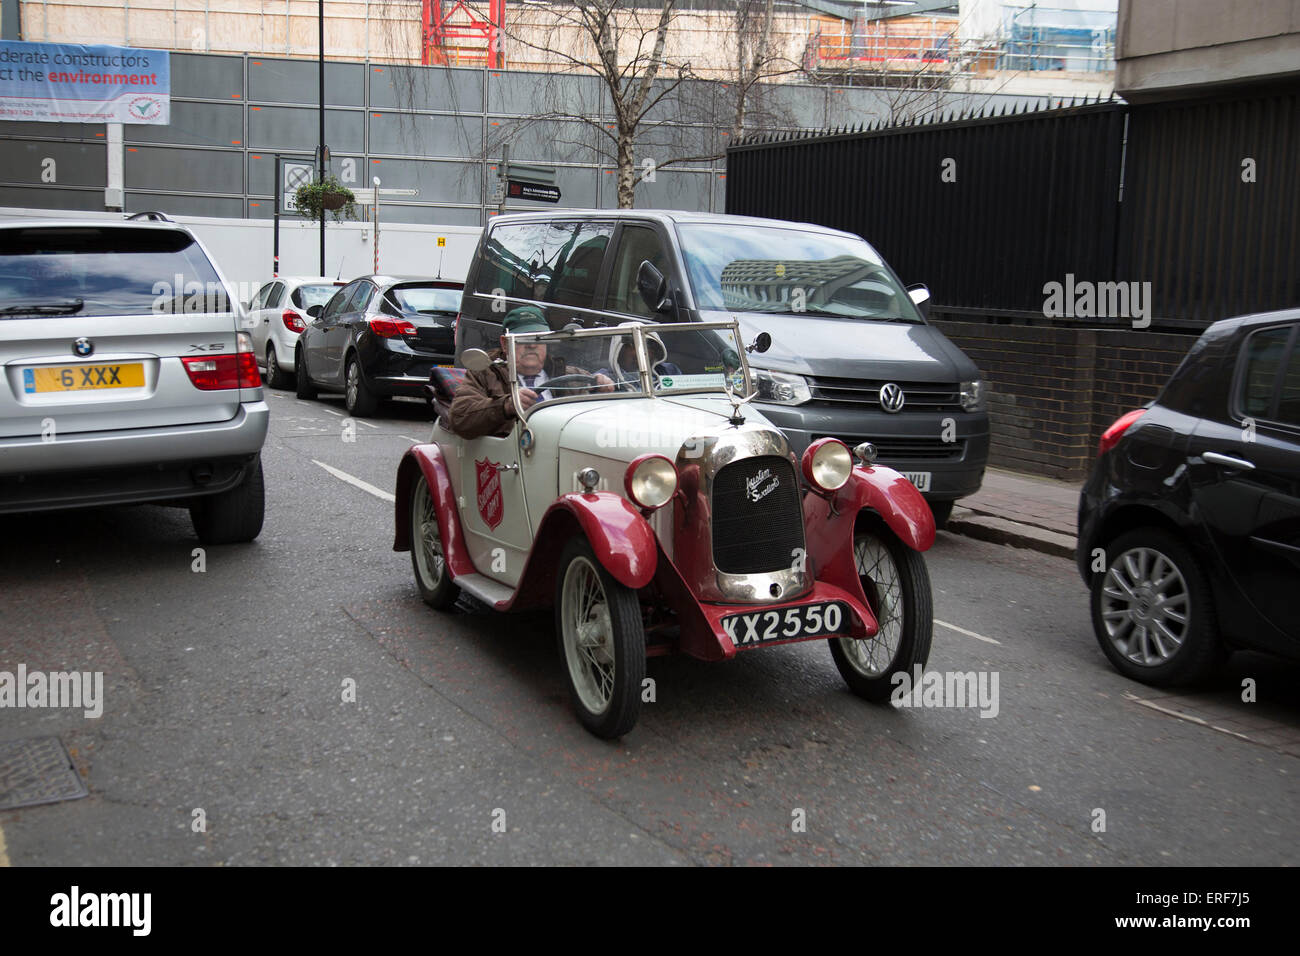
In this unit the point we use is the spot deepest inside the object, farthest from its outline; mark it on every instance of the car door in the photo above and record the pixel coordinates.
(493, 506)
(257, 317)
(313, 337)
(345, 325)
(1245, 474)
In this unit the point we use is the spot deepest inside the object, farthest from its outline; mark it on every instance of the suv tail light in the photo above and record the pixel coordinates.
(1111, 436)
(236, 369)
(391, 328)
(293, 321)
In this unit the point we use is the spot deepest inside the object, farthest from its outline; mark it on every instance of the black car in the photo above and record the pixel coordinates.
(1189, 525)
(377, 337)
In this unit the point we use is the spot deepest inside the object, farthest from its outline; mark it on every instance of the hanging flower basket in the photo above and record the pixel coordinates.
(326, 195)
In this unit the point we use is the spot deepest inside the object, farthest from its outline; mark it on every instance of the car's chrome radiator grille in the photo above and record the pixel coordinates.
(757, 516)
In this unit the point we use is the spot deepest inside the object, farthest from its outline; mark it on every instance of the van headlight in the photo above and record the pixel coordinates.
(972, 395)
(781, 388)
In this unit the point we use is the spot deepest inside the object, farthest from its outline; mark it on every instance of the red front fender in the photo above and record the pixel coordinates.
(829, 525)
(428, 461)
(623, 542)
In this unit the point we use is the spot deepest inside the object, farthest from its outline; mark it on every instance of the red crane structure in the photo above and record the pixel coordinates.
(454, 35)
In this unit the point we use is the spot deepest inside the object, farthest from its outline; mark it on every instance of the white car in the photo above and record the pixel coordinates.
(664, 514)
(278, 314)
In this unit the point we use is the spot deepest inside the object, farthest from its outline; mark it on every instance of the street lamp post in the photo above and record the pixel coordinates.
(320, 152)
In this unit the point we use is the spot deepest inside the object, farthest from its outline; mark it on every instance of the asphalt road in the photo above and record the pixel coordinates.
(224, 693)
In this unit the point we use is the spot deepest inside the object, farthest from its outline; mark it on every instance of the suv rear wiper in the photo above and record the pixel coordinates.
(49, 307)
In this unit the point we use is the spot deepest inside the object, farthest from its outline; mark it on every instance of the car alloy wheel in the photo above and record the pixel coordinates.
(1153, 612)
(1144, 607)
(602, 640)
(357, 397)
(431, 574)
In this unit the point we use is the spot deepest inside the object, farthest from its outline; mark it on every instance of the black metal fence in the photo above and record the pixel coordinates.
(988, 210)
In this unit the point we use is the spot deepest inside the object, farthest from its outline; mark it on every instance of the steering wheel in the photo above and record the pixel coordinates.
(571, 382)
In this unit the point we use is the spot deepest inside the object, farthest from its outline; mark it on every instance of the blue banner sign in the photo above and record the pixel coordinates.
(71, 83)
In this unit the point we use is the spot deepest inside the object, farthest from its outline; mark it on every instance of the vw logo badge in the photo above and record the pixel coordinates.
(891, 397)
(83, 347)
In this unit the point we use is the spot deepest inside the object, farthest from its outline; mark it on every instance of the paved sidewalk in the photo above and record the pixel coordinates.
(1021, 510)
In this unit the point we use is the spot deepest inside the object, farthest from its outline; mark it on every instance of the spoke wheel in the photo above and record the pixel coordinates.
(431, 574)
(1152, 611)
(897, 585)
(598, 625)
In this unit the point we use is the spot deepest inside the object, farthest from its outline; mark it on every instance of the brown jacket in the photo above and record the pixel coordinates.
(482, 405)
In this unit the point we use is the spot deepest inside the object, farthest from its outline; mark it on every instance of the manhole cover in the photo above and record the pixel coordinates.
(37, 771)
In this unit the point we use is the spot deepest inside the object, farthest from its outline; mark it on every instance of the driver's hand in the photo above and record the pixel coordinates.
(527, 399)
(604, 383)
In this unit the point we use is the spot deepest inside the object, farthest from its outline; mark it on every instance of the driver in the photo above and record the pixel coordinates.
(483, 404)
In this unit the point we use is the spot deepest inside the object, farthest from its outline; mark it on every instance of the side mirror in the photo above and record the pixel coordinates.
(652, 285)
(760, 344)
(920, 295)
(476, 360)
(314, 311)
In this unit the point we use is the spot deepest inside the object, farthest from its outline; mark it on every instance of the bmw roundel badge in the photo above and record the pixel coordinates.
(83, 347)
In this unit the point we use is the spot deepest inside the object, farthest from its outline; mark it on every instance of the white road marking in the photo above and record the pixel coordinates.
(367, 424)
(962, 630)
(330, 411)
(363, 485)
(1188, 717)
(417, 441)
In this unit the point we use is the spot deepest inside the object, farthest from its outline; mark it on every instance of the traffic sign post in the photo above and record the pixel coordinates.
(289, 175)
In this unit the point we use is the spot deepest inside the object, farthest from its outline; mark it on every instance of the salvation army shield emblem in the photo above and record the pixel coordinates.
(490, 505)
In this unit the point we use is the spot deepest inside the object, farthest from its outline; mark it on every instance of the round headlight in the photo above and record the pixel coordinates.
(650, 481)
(827, 464)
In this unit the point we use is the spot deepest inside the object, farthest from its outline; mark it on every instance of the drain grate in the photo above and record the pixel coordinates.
(37, 771)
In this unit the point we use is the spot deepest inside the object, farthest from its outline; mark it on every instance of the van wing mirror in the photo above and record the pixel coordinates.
(653, 286)
(920, 296)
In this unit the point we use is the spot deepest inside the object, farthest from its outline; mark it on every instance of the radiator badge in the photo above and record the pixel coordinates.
(753, 490)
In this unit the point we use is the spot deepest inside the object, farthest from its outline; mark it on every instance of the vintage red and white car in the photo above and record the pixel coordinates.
(666, 516)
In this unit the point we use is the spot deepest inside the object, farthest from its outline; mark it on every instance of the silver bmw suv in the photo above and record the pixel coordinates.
(126, 376)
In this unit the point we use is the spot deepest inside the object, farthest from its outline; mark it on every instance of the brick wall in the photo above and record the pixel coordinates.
(1053, 389)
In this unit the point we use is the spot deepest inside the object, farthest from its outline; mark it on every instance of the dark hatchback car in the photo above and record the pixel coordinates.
(1195, 502)
(378, 337)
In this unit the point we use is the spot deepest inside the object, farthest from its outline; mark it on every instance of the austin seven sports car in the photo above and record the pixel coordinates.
(659, 514)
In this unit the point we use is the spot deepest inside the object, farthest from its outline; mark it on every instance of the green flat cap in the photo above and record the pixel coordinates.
(526, 318)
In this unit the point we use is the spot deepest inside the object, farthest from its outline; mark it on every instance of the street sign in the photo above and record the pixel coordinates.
(295, 174)
(366, 197)
(518, 190)
(524, 173)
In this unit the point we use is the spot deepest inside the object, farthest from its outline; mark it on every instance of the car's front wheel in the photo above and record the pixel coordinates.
(304, 388)
(897, 585)
(427, 556)
(276, 377)
(1152, 610)
(598, 624)
(234, 516)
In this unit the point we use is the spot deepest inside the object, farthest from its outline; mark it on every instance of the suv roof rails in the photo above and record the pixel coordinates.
(152, 215)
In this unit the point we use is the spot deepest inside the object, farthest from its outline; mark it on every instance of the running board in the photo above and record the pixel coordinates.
(485, 589)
